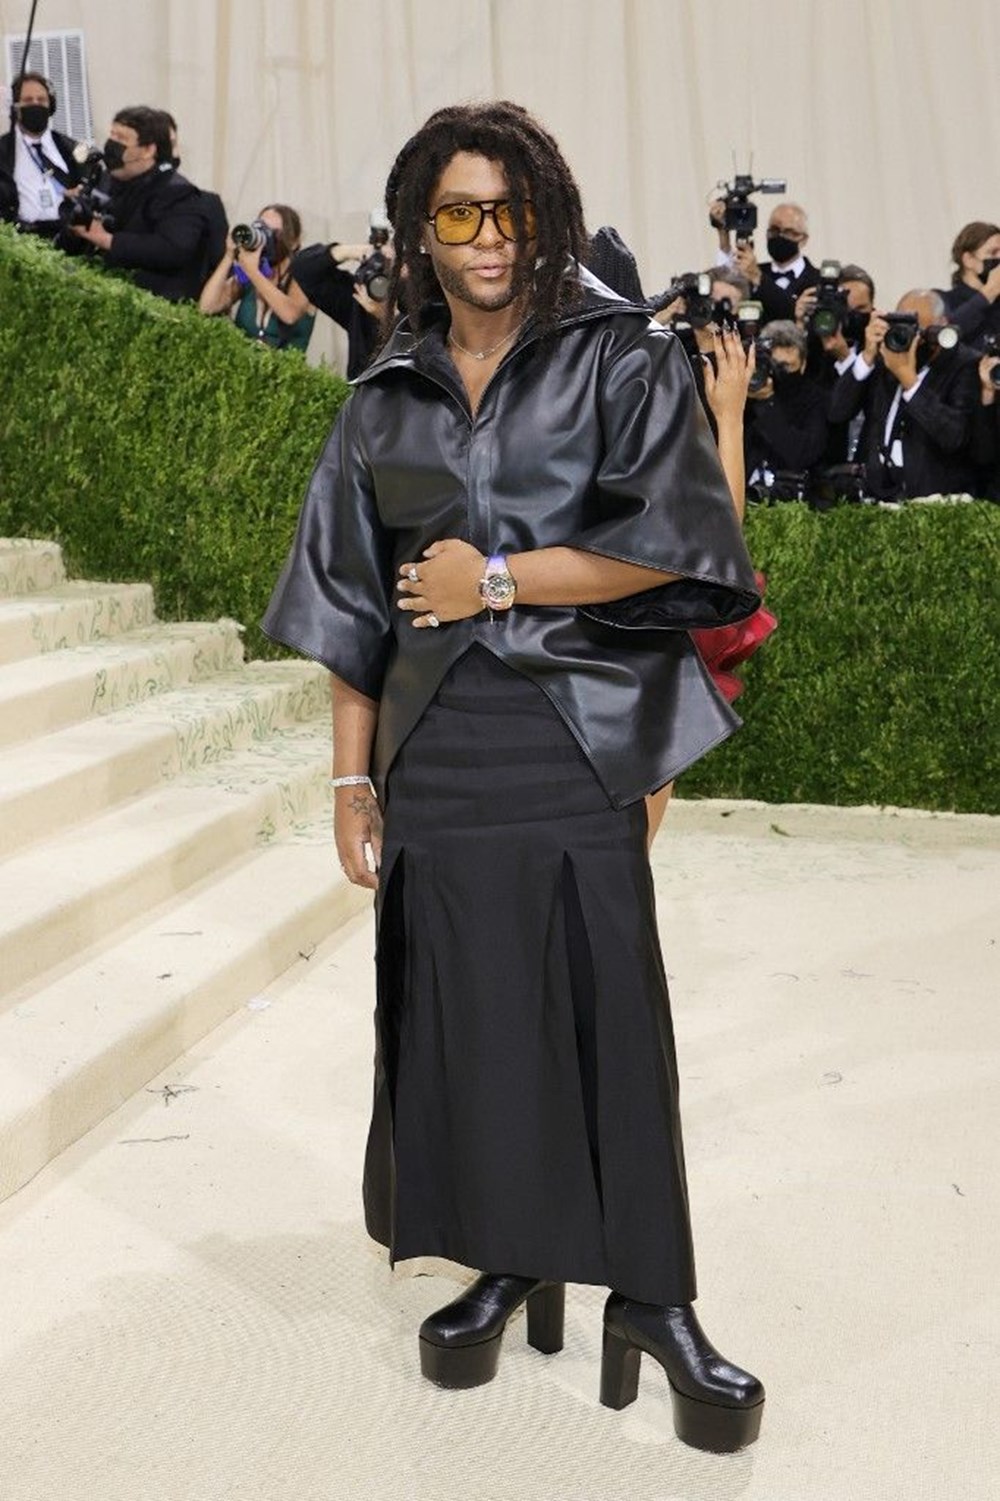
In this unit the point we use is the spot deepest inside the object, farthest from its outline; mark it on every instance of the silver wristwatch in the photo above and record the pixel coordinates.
(497, 587)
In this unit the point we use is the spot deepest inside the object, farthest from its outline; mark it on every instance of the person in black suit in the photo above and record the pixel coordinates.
(786, 424)
(159, 220)
(918, 406)
(972, 301)
(778, 283)
(37, 163)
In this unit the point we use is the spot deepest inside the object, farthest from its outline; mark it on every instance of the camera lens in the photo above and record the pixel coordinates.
(825, 321)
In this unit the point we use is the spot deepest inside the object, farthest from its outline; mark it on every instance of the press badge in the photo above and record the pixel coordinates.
(46, 198)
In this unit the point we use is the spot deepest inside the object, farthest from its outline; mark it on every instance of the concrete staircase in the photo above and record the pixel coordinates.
(165, 846)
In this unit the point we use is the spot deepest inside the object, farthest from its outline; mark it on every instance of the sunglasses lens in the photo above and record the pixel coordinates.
(458, 223)
(505, 221)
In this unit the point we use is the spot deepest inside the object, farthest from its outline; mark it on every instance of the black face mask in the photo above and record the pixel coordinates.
(782, 249)
(34, 118)
(114, 154)
(988, 266)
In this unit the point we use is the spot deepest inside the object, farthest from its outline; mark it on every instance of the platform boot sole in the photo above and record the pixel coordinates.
(702, 1425)
(458, 1367)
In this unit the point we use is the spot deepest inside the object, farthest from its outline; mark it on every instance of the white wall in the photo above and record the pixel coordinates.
(883, 116)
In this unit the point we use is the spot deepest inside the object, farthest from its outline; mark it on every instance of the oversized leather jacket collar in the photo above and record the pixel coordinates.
(592, 438)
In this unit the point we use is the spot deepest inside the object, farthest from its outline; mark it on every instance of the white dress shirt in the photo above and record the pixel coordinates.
(39, 195)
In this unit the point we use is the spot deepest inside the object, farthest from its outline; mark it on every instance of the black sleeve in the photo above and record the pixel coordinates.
(847, 396)
(333, 601)
(969, 315)
(661, 497)
(947, 418)
(327, 286)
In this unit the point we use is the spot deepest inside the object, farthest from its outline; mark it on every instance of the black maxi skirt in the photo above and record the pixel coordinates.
(526, 1101)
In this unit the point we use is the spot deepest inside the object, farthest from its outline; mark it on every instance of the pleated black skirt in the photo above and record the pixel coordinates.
(526, 1104)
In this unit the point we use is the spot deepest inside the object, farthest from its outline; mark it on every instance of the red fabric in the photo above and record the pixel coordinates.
(725, 647)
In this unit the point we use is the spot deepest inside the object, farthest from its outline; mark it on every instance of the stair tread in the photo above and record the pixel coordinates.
(140, 985)
(81, 859)
(35, 673)
(94, 740)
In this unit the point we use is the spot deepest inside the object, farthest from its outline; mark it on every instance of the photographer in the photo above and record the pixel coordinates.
(833, 351)
(918, 399)
(255, 282)
(343, 297)
(37, 165)
(786, 415)
(778, 283)
(971, 302)
(158, 227)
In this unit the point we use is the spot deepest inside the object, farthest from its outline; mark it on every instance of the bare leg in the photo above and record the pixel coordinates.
(656, 806)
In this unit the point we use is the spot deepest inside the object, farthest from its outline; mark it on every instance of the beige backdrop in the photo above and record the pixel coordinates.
(883, 116)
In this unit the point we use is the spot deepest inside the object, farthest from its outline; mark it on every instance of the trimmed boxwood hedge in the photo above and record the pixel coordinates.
(150, 441)
(156, 444)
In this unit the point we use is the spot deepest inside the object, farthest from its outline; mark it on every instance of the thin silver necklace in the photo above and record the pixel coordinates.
(485, 353)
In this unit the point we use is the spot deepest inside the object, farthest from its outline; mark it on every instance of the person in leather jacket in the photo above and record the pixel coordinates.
(517, 518)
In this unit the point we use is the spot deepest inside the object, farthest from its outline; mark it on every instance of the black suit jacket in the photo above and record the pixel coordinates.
(161, 229)
(935, 427)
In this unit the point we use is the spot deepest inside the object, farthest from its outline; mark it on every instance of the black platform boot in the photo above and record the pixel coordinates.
(460, 1344)
(716, 1405)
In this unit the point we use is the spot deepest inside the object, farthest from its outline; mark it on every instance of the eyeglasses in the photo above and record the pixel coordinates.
(460, 223)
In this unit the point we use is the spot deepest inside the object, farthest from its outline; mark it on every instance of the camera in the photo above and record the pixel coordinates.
(991, 346)
(374, 271)
(256, 236)
(830, 308)
(763, 370)
(903, 329)
(741, 214)
(90, 202)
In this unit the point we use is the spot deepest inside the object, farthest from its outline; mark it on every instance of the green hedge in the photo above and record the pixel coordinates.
(150, 441)
(882, 683)
(156, 444)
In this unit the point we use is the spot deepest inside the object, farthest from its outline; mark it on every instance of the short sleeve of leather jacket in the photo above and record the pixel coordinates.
(661, 498)
(331, 601)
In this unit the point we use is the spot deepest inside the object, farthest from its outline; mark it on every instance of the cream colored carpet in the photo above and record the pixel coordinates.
(191, 1311)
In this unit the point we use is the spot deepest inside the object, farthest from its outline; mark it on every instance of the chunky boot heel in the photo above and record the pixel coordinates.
(460, 1344)
(716, 1405)
(619, 1372)
(461, 1366)
(546, 1317)
(719, 1429)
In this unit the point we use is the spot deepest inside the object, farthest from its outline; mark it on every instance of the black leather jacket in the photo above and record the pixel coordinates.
(594, 439)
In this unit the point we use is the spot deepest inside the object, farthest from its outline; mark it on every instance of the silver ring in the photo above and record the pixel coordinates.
(433, 620)
(413, 576)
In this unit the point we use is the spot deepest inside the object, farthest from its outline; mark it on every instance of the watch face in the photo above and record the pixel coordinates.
(498, 591)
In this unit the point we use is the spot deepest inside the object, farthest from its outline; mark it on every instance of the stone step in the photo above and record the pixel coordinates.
(48, 692)
(74, 1049)
(61, 897)
(27, 565)
(71, 614)
(49, 784)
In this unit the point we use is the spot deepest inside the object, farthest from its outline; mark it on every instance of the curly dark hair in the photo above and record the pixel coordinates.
(535, 169)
